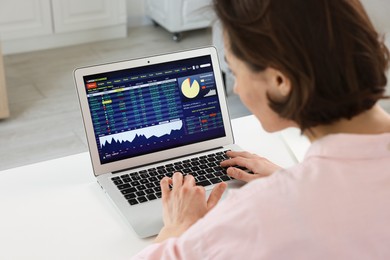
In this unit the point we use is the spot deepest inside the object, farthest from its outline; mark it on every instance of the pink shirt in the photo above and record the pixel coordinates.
(334, 205)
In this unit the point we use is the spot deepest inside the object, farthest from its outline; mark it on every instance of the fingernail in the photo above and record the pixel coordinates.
(231, 171)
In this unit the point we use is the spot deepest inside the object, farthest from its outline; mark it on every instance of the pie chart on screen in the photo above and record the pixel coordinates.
(190, 88)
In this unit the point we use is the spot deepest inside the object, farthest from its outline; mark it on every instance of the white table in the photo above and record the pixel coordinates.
(56, 209)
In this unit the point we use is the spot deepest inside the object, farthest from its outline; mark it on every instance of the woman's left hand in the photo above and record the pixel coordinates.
(184, 204)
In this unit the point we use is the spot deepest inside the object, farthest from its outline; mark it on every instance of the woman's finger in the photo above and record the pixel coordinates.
(164, 184)
(240, 154)
(241, 175)
(177, 180)
(216, 195)
(189, 180)
(239, 161)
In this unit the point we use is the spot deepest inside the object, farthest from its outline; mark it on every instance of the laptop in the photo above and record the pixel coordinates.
(150, 117)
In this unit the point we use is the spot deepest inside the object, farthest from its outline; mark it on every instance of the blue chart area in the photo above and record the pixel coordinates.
(141, 138)
(123, 109)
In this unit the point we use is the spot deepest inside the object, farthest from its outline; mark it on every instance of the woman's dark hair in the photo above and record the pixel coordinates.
(328, 49)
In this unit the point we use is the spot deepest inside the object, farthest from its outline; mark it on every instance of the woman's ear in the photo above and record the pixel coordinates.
(280, 85)
(283, 84)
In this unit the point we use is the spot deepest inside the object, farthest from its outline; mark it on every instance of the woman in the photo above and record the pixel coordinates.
(318, 65)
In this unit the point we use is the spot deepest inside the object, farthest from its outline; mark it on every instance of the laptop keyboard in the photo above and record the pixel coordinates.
(142, 186)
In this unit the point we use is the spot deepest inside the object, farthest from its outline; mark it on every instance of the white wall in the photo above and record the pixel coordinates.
(378, 12)
(136, 13)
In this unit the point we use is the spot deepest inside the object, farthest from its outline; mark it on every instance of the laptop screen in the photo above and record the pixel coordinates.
(153, 108)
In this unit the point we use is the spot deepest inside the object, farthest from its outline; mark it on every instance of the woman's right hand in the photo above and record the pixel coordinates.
(259, 166)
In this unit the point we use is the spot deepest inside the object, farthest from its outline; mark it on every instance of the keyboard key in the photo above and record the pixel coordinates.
(135, 177)
(210, 176)
(143, 171)
(123, 186)
(124, 176)
(135, 183)
(149, 191)
(153, 173)
(133, 202)
(160, 167)
(117, 182)
(141, 187)
(158, 194)
(142, 199)
(157, 189)
(145, 175)
(152, 170)
(116, 178)
(149, 185)
(225, 178)
(204, 183)
(187, 170)
(203, 166)
(126, 180)
(195, 168)
(209, 170)
(212, 164)
(216, 180)
(218, 173)
(127, 191)
(169, 165)
(144, 181)
(201, 178)
(153, 179)
(160, 177)
(151, 197)
(130, 196)
(196, 163)
(140, 193)
(220, 158)
(179, 167)
(162, 171)
(170, 169)
(201, 172)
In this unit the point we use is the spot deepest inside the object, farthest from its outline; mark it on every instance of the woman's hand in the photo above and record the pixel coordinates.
(184, 204)
(259, 166)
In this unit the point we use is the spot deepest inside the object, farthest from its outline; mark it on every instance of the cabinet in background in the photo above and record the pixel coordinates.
(27, 25)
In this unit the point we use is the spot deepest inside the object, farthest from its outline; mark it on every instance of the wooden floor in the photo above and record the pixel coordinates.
(45, 120)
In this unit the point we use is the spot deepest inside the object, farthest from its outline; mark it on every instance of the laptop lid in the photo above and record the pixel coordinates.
(151, 109)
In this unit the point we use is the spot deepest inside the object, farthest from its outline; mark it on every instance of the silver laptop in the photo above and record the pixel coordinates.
(150, 117)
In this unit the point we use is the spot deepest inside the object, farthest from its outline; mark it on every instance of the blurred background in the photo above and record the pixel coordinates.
(43, 41)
